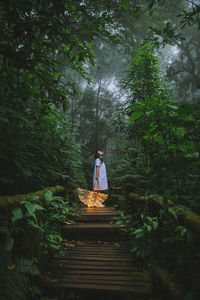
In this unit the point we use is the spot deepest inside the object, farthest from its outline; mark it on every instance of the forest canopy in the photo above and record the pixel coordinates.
(65, 92)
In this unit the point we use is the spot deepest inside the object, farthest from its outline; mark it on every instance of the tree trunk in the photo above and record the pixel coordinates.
(97, 117)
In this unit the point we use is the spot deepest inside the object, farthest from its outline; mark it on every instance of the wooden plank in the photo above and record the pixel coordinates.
(94, 225)
(100, 256)
(123, 272)
(117, 259)
(103, 253)
(105, 282)
(103, 212)
(99, 244)
(110, 256)
(105, 208)
(95, 262)
(85, 269)
(137, 291)
(97, 267)
(99, 211)
(103, 277)
(99, 214)
(98, 250)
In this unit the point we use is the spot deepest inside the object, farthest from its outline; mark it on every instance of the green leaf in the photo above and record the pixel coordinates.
(9, 244)
(134, 249)
(138, 230)
(17, 214)
(119, 222)
(159, 139)
(155, 225)
(139, 235)
(149, 228)
(33, 224)
(32, 207)
(48, 196)
(135, 115)
(172, 212)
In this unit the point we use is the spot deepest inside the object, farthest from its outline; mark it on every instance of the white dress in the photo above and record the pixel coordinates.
(102, 183)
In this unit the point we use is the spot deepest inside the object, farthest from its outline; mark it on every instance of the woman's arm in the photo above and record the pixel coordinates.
(97, 172)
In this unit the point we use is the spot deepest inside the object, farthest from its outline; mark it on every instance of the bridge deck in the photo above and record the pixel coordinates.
(98, 265)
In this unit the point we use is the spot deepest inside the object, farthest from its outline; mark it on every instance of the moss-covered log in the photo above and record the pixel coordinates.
(187, 217)
(7, 201)
(190, 219)
(165, 282)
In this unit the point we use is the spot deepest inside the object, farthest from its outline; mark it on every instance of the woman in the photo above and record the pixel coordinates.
(100, 182)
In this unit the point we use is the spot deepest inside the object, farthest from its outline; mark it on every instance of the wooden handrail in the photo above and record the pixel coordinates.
(7, 201)
(187, 217)
(165, 281)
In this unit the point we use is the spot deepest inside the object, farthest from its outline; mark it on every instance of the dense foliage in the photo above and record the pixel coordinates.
(31, 234)
(38, 40)
(159, 154)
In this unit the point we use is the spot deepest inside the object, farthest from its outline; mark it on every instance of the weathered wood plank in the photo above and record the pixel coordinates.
(94, 226)
(97, 267)
(105, 208)
(95, 262)
(99, 258)
(99, 250)
(101, 244)
(134, 274)
(104, 282)
(122, 278)
(137, 291)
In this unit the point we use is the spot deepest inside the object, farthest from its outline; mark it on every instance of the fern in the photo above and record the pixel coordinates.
(26, 265)
(15, 286)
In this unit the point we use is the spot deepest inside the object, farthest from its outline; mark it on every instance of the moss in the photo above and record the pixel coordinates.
(7, 201)
(135, 196)
(188, 218)
(192, 220)
(162, 276)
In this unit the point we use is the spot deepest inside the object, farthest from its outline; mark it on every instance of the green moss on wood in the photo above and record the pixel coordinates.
(192, 220)
(188, 218)
(164, 277)
(7, 201)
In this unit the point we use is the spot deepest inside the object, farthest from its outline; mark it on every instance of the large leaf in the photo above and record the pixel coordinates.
(17, 214)
(32, 207)
(48, 196)
(9, 243)
(135, 115)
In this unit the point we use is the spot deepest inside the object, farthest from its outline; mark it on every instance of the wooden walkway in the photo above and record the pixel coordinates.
(103, 263)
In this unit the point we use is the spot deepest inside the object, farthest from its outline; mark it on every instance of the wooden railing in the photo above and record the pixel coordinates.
(10, 201)
(186, 218)
(185, 215)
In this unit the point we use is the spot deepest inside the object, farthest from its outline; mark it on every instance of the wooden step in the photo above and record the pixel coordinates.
(94, 226)
(97, 259)
(92, 231)
(94, 214)
(113, 269)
